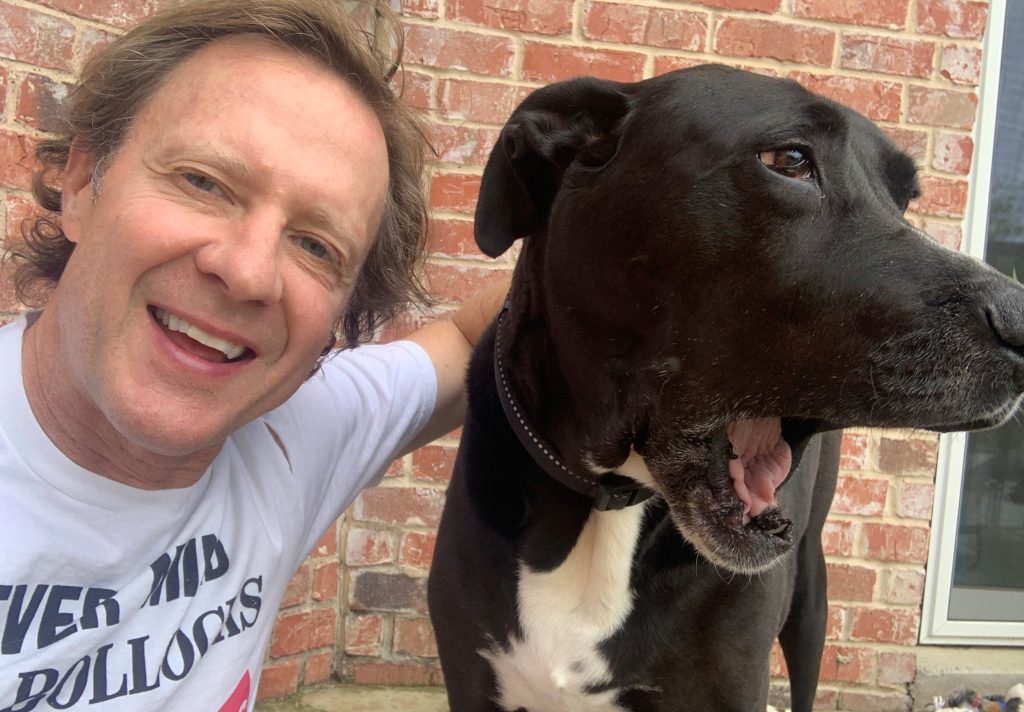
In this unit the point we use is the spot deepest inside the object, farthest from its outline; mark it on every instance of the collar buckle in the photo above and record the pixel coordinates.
(618, 492)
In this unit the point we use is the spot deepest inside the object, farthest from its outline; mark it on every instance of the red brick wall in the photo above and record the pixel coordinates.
(356, 609)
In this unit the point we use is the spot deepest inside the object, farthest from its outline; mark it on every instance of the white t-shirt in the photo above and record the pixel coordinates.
(114, 598)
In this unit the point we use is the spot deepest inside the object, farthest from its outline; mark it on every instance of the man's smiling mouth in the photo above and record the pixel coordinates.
(197, 341)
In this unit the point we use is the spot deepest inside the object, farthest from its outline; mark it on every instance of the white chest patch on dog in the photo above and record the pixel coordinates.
(565, 614)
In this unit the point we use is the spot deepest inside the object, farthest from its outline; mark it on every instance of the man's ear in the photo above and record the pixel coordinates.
(76, 191)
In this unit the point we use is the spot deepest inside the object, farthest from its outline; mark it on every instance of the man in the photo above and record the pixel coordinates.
(238, 182)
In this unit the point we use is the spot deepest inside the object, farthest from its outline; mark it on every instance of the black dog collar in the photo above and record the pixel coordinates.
(612, 491)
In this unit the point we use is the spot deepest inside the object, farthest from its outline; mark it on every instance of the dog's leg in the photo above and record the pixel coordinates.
(803, 635)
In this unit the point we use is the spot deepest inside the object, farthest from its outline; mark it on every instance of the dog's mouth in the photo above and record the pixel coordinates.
(724, 502)
(759, 463)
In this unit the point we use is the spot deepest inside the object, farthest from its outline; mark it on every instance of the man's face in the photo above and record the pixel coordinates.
(241, 204)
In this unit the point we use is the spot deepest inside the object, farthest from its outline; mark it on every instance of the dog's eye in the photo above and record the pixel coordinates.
(790, 162)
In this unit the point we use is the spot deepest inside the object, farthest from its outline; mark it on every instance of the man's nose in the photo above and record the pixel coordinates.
(246, 258)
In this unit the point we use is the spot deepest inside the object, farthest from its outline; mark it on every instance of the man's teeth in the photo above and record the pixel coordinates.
(173, 323)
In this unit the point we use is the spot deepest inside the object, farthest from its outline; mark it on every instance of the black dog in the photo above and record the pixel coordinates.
(717, 269)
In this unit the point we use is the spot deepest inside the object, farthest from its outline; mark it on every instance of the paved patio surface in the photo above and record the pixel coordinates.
(342, 698)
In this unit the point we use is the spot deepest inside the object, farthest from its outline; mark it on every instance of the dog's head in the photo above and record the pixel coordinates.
(718, 266)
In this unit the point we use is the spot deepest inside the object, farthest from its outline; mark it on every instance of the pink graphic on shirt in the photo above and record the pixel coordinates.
(239, 700)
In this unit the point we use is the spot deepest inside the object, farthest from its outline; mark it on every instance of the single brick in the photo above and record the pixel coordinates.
(914, 500)
(954, 18)
(377, 591)
(961, 65)
(17, 160)
(433, 463)
(913, 142)
(748, 5)
(369, 547)
(22, 212)
(942, 197)
(942, 107)
(546, 17)
(472, 100)
(3, 93)
(317, 668)
(891, 542)
(452, 238)
(835, 622)
(387, 673)
(326, 580)
(454, 192)
(111, 12)
(462, 145)
(410, 506)
(887, 55)
(884, 625)
(278, 679)
(364, 635)
(910, 456)
(641, 25)
(544, 62)
(444, 48)
(414, 636)
(891, 14)
(308, 630)
(838, 537)
(904, 586)
(847, 582)
(847, 664)
(328, 542)
(35, 37)
(896, 669)
(91, 40)
(853, 454)
(860, 495)
(428, 9)
(414, 87)
(457, 283)
(417, 549)
(297, 591)
(787, 42)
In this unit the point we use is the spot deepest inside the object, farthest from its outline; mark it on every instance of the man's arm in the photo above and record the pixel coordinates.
(449, 342)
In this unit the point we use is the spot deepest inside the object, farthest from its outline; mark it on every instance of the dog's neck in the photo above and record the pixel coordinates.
(607, 490)
(554, 393)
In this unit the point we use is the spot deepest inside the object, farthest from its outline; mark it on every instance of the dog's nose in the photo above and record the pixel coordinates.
(1005, 314)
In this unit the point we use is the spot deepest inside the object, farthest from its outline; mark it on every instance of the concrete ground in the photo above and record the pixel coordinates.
(342, 698)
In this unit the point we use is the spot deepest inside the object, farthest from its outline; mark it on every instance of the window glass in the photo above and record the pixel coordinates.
(988, 572)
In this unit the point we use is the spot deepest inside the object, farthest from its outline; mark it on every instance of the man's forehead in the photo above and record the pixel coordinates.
(267, 114)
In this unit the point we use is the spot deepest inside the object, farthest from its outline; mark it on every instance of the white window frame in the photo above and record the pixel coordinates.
(936, 627)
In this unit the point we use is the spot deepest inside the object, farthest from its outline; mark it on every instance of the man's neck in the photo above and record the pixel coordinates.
(78, 427)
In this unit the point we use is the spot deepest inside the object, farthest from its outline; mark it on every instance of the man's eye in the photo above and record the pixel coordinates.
(201, 182)
(790, 162)
(313, 246)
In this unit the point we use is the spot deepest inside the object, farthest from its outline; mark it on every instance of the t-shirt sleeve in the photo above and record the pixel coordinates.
(347, 423)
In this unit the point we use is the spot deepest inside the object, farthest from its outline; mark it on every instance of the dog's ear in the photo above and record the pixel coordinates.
(576, 120)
